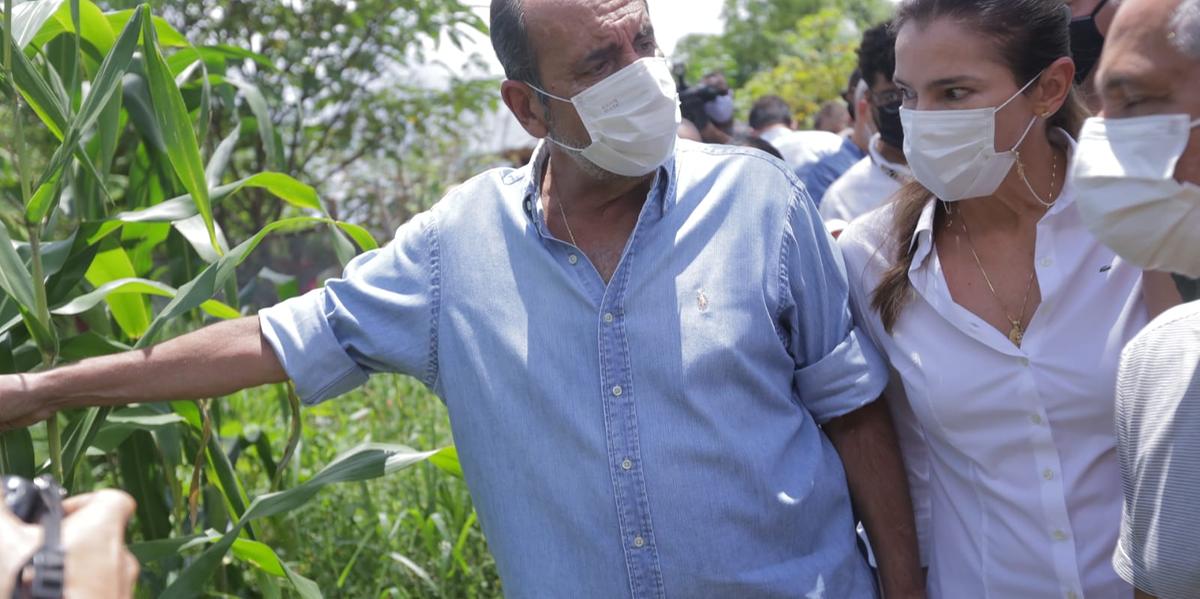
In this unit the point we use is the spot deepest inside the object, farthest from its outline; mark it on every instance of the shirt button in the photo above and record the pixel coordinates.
(639, 542)
(1060, 535)
(608, 318)
(1048, 474)
(573, 259)
(617, 391)
(1072, 595)
(627, 464)
(1025, 362)
(1036, 419)
(1047, 262)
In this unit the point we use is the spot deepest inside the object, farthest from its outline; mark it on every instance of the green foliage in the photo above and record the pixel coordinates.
(820, 57)
(801, 50)
(111, 179)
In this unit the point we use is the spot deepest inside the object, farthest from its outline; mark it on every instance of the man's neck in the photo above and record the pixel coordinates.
(566, 182)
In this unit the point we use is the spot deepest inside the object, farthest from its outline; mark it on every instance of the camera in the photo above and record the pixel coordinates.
(693, 98)
(27, 499)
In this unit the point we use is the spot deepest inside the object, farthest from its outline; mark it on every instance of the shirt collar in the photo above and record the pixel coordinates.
(923, 235)
(658, 203)
(894, 170)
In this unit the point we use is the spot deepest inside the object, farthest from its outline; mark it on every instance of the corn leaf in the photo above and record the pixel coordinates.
(174, 121)
(16, 453)
(363, 463)
(129, 310)
(135, 286)
(15, 279)
(28, 18)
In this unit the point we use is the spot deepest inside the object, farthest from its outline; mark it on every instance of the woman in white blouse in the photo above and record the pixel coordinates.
(1002, 317)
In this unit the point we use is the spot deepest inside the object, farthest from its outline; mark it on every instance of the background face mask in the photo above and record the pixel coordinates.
(720, 110)
(632, 118)
(1086, 43)
(953, 152)
(1124, 170)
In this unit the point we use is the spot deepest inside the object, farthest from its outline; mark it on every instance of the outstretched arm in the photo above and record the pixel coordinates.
(214, 361)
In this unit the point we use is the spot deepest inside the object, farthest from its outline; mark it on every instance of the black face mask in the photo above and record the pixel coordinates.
(1086, 43)
(887, 121)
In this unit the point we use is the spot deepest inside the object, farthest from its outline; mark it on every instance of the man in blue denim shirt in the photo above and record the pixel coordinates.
(647, 374)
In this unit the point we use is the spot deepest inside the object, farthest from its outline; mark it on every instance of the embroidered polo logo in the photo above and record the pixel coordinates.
(702, 301)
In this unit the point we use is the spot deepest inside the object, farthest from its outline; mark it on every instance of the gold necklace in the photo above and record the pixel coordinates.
(1053, 178)
(1017, 333)
(563, 213)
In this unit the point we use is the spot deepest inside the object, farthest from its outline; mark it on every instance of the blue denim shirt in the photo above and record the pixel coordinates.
(656, 436)
(817, 177)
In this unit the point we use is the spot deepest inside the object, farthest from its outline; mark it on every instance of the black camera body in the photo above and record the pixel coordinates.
(23, 498)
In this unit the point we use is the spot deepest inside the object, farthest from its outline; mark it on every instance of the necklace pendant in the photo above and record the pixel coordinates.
(1016, 334)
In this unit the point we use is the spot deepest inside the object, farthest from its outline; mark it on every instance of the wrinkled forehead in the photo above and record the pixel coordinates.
(565, 32)
(1139, 51)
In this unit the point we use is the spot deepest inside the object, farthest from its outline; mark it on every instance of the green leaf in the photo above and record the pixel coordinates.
(266, 128)
(134, 286)
(104, 86)
(129, 310)
(168, 36)
(447, 461)
(179, 136)
(28, 18)
(279, 185)
(365, 462)
(142, 477)
(16, 453)
(360, 236)
(14, 277)
(219, 160)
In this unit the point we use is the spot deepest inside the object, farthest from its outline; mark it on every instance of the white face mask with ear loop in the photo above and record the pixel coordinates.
(632, 117)
(953, 152)
(1124, 174)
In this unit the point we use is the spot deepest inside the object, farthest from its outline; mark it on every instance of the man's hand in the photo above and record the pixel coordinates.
(93, 537)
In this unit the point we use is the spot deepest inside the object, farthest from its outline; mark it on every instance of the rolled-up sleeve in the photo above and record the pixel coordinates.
(381, 316)
(838, 369)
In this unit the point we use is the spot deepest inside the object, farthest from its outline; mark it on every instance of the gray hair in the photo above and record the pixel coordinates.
(510, 40)
(1185, 28)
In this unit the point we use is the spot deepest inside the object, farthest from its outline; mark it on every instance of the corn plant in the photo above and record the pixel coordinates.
(108, 243)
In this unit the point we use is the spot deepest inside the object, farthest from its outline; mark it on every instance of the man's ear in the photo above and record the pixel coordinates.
(526, 106)
(1056, 83)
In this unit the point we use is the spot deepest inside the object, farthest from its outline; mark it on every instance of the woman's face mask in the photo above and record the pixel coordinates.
(953, 152)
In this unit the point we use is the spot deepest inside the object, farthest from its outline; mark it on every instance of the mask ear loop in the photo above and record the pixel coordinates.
(554, 97)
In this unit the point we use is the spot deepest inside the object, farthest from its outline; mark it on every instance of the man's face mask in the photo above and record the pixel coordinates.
(720, 109)
(886, 108)
(1124, 170)
(632, 117)
(1086, 43)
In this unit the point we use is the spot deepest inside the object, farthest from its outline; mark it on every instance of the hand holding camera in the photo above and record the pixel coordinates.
(64, 548)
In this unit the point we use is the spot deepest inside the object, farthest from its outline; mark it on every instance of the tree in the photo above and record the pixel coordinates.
(820, 57)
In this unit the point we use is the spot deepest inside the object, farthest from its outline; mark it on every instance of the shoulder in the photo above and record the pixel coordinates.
(493, 194)
(820, 140)
(735, 173)
(852, 177)
(868, 244)
(1177, 326)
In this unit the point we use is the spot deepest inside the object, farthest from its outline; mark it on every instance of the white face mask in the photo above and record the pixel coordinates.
(632, 117)
(953, 152)
(1124, 171)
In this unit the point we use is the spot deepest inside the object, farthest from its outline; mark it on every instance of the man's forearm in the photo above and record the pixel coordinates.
(214, 361)
(867, 443)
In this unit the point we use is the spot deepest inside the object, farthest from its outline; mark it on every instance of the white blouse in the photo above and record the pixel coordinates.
(1010, 451)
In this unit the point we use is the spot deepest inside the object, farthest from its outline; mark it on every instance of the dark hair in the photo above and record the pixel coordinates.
(510, 40)
(770, 110)
(756, 142)
(877, 53)
(1030, 35)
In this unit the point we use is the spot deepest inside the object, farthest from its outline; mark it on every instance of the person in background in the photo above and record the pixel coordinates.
(875, 178)
(753, 141)
(97, 563)
(645, 346)
(1090, 20)
(1001, 315)
(833, 118)
(771, 120)
(1138, 173)
(720, 111)
(819, 176)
